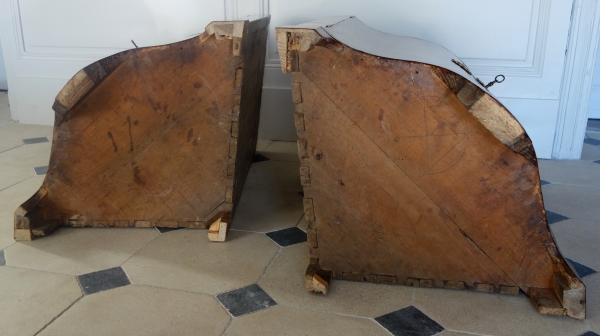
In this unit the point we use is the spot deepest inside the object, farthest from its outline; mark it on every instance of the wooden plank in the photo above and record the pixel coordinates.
(156, 136)
(414, 171)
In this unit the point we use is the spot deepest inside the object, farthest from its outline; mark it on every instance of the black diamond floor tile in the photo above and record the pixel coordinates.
(589, 333)
(581, 269)
(287, 237)
(553, 217)
(2, 260)
(409, 321)
(245, 300)
(591, 141)
(597, 161)
(165, 230)
(40, 170)
(30, 141)
(259, 158)
(103, 280)
(542, 182)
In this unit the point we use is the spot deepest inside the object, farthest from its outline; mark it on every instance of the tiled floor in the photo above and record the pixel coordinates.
(174, 282)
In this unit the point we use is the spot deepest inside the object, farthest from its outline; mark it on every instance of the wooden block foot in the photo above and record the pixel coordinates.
(315, 279)
(218, 229)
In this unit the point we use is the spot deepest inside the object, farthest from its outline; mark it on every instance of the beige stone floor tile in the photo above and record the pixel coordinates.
(12, 134)
(282, 151)
(303, 224)
(455, 333)
(6, 225)
(593, 135)
(590, 153)
(284, 282)
(288, 321)
(4, 107)
(491, 314)
(274, 175)
(573, 201)
(592, 287)
(570, 172)
(142, 310)
(17, 164)
(261, 144)
(80, 250)
(267, 210)
(16, 194)
(186, 260)
(31, 299)
(578, 240)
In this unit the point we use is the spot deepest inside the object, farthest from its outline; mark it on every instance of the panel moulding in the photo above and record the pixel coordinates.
(531, 66)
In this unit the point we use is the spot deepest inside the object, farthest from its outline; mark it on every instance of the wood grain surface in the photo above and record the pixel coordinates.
(414, 175)
(159, 136)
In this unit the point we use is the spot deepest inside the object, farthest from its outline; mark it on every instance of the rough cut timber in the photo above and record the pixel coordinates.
(414, 173)
(159, 136)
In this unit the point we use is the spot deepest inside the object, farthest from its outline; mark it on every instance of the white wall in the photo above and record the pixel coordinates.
(3, 82)
(523, 39)
(594, 111)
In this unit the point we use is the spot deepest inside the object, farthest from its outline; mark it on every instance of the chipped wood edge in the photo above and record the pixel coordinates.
(89, 77)
(292, 40)
(315, 279)
(490, 113)
(217, 231)
(569, 289)
(29, 222)
(546, 301)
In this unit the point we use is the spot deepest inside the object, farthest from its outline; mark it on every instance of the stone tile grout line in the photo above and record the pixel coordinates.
(61, 313)
(4, 151)
(270, 263)
(19, 182)
(138, 251)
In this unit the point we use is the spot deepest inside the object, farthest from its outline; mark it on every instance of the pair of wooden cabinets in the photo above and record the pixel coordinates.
(413, 173)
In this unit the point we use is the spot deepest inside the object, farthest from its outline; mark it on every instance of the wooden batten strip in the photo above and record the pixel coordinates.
(510, 290)
(425, 283)
(485, 288)
(194, 224)
(100, 223)
(305, 176)
(121, 223)
(299, 122)
(311, 235)
(309, 211)
(296, 93)
(168, 223)
(352, 276)
(229, 194)
(235, 129)
(302, 149)
(454, 284)
(239, 76)
(230, 170)
(143, 224)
